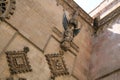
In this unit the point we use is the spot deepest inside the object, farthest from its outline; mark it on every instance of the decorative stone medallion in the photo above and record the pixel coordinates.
(56, 65)
(7, 8)
(18, 61)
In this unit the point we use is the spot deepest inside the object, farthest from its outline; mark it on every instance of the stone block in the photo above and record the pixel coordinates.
(34, 20)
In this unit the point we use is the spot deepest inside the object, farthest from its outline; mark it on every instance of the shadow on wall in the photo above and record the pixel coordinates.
(105, 59)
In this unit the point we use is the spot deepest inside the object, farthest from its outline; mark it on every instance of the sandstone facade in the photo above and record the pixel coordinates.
(37, 24)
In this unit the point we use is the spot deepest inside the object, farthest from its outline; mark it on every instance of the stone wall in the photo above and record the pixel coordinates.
(37, 24)
(106, 48)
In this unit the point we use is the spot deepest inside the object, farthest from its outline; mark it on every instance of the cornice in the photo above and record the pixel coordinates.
(109, 17)
(113, 3)
(71, 6)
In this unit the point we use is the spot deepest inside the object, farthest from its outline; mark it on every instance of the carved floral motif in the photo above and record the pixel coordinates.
(57, 65)
(18, 61)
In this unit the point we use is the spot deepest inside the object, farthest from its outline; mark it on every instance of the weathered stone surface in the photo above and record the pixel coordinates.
(83, 40)
(106, 48)
(34, 20)
(6, 34)
(65, 78)
(52, 47)
(4, 69)
(114, 76)
(69, 59)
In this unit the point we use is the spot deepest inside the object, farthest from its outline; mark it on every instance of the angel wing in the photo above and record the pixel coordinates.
(65, 21)
(76, 31)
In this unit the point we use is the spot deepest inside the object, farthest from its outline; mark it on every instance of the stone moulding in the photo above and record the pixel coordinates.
(18, 61)
(56, 65)
(98, 23)
(114, 2)
(57, 32)
(109, 16)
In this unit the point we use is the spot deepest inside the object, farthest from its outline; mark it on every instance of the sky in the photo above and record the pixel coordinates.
(88, 5)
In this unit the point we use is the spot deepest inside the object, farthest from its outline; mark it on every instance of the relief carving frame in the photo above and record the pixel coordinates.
(56, 65)
(18, 61)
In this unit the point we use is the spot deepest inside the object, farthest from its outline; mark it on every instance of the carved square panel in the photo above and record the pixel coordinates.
(18, 62)
(56, 64)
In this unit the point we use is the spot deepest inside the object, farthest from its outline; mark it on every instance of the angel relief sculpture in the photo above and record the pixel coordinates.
(71, 30)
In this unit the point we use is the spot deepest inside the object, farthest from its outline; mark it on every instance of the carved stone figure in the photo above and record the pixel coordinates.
(71, 30)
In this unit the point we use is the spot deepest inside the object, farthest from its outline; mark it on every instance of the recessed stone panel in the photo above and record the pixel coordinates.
(52, 46)
(6, 34)
(40, 68)
(35, 20)
(70, 61)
